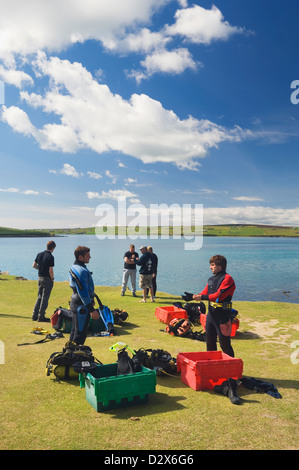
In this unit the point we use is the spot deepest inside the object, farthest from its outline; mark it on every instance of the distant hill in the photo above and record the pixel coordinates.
(13, 232)
(227, 230)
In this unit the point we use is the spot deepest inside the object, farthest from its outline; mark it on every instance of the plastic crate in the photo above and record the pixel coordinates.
(204, 370)
(166, 314)
(235, 324)
(106, 390)
(66, 326)
(94, 326)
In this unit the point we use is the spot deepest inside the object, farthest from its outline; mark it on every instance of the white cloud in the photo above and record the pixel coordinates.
(112, 177)
(120, 27)
(9, 190)
(26, 192)
(15, 77)
(143, 41)
(94, 175)
(30, 192)
(26, 27)
(92, 117)
(173, 62)
(67, 170)
(251, 215)
(115, 194)
(247, 198)
(202, 26)
(130, 181)
(18, 120)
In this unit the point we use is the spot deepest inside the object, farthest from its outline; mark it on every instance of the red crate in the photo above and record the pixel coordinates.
(204, 370)
(235, 324)
(166, 314)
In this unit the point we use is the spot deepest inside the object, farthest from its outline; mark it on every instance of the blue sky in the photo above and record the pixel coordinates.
(159, 101)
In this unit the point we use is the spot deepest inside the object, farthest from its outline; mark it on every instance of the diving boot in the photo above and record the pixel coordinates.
(42, 318)
(228, 389)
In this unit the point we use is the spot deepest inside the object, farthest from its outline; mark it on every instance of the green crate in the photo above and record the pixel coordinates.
(94, 326)
(66, 326)
(105, 390)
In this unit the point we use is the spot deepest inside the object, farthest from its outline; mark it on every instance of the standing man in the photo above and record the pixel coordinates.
(44, 263)
(146, 272)
(155, 269)
(82, 301)
(218, 291)
(129, 270)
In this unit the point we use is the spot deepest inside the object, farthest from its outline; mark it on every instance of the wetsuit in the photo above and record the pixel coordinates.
(82, 301)
(219, 289)
(44, 261)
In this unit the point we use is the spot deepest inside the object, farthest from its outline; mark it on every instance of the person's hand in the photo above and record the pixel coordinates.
(187, 297)
(197, 297)
(95, 315)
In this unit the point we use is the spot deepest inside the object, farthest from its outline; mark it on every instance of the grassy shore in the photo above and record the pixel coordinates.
(230, 230)
(13, 232)
(38, 412)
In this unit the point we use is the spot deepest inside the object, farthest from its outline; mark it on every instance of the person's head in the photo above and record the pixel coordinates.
(218, 263)
(143, 249)
(132, 248)
(51, 245)
(149, 249)
(82, 253)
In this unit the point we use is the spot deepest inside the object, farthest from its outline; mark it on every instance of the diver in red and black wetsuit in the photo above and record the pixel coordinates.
(218, 291)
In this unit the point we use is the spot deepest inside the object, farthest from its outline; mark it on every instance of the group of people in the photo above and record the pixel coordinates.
(218, 291)
(148, 263)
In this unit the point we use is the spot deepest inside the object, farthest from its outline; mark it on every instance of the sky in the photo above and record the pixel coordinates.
(149, 102)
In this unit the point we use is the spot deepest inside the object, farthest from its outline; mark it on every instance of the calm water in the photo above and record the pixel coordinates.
(263, 268)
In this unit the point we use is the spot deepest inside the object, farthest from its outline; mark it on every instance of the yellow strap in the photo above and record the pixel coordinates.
(215, 304)
(39, 330)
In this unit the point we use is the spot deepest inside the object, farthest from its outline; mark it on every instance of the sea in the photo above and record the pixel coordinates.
(264, 269)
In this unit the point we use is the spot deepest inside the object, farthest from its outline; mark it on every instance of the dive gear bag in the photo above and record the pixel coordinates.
(155, 359)
(179, 327)
(71, 361)
(182, 327)
(119, 316)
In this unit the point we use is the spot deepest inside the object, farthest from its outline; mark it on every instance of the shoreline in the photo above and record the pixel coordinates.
(228, 230)
(14, 277)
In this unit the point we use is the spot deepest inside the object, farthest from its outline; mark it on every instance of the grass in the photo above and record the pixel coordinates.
(13, 232)
(38, 412)
(230, 230)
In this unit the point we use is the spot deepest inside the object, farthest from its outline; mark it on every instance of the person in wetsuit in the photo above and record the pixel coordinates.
(44, 263)
(82, 301)
(219, 292)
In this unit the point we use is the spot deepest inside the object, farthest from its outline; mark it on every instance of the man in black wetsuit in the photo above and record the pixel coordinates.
(218, 291)
(44, 263)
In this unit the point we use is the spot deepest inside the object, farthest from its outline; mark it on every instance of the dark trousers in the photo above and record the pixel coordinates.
(78, 335)
(45, 286)
(213, 329)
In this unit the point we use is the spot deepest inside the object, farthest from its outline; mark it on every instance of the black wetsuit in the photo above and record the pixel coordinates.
(219, 289)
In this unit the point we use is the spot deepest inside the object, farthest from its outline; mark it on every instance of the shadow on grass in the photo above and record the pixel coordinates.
(10, 315)
(158, 403)
(246, 335)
